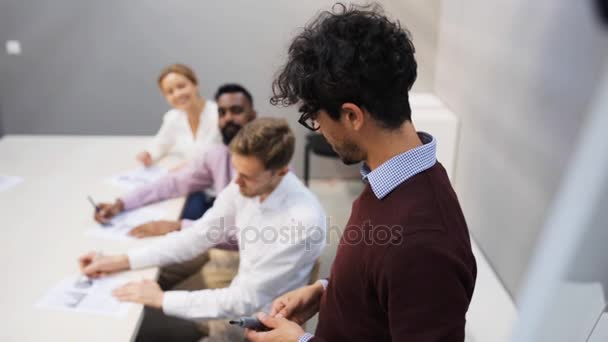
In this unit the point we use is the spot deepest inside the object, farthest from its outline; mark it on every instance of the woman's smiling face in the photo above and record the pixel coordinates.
(178, 90)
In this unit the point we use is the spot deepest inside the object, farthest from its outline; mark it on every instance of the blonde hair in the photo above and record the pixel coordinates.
(268, 139)
(177, 68)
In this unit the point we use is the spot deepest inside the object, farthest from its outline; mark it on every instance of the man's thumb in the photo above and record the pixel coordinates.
(269, 321)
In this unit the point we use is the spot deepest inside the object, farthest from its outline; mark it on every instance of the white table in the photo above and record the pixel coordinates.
(42, 234)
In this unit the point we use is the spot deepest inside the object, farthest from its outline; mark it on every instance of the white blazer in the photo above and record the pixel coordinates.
(175, 135)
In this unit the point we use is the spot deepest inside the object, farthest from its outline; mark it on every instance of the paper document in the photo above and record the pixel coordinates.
(121, 224)
(80, 294)
(136, 178)
(7, 182)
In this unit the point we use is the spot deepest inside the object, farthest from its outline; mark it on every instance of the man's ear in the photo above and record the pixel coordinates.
(354, 116)
(283, 171)
(254, 115)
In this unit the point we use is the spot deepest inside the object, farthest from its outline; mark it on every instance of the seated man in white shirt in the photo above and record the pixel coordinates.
(279, 224)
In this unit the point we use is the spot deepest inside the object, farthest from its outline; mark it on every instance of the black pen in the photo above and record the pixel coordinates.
(250, 323)
(97, 209)
(93, 203)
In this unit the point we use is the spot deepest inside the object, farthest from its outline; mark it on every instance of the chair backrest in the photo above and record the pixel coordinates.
(314, 276)
(319, 145)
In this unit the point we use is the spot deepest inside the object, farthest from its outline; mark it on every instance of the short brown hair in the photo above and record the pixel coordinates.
(177, 68)
(268, 139)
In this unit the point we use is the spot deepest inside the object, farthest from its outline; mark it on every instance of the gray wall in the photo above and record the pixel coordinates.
(1, 126)
(90, 67)
(3, 83)
(520, 74)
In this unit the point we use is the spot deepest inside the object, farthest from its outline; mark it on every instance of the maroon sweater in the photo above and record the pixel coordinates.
(404, 269)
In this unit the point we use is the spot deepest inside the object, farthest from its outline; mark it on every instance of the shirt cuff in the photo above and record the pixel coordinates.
(197, 305)
(140, 258)
(176, 303)
(155, 153)
(186, 224)
(324, 282)
(306, 337)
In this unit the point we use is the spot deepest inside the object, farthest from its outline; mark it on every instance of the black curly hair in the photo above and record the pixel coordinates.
(350, 54)
(233, 88)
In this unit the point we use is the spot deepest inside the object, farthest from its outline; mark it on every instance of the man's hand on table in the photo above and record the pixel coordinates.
(146, 292)
(155, 228)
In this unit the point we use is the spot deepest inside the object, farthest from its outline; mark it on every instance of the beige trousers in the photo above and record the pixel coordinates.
(214, 269)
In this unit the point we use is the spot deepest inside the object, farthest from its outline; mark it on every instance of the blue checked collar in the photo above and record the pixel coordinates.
(386, 177)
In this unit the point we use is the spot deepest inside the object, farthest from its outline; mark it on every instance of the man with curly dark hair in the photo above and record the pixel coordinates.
(404, 269)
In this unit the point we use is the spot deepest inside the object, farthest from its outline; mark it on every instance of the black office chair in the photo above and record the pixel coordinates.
(317, 144)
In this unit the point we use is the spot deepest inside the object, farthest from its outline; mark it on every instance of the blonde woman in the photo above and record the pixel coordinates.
(189, 125)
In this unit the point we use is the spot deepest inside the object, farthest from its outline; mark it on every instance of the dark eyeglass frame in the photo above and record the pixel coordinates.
(303, 120)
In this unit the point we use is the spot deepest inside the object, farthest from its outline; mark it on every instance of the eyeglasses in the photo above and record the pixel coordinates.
(309, 120)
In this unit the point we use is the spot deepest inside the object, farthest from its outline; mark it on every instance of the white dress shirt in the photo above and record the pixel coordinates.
(279, 240)
(175, 134)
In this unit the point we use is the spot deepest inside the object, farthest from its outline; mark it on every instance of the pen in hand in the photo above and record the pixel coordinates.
(85, 281)
(93, 203)
(97, 210)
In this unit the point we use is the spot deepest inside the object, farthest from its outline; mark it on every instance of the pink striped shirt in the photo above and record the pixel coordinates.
(211, 169)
